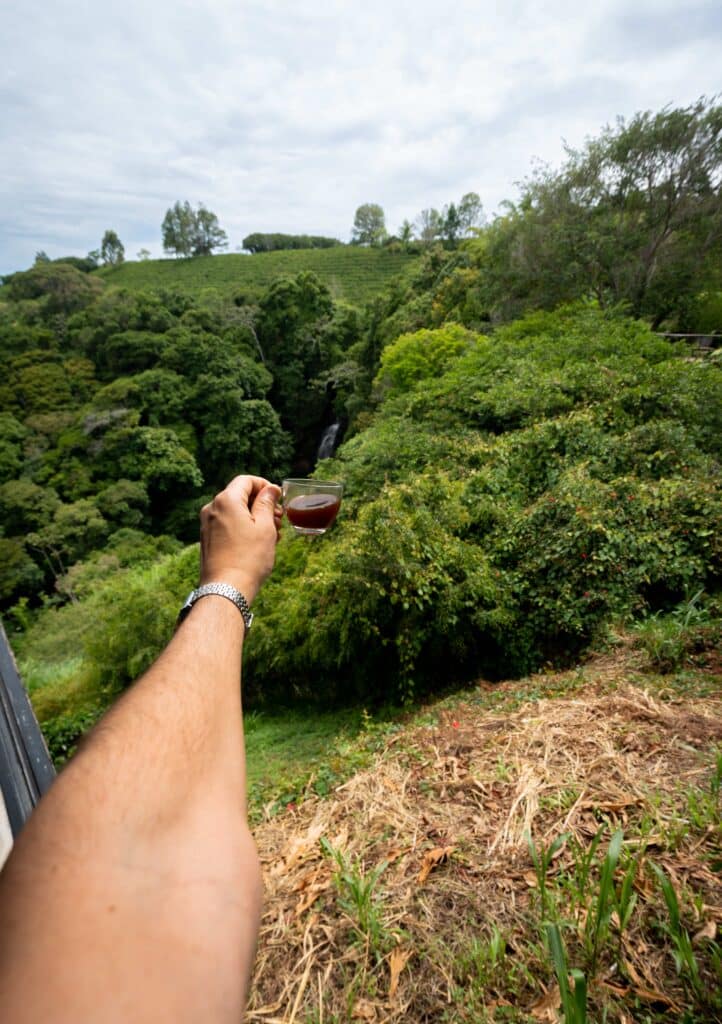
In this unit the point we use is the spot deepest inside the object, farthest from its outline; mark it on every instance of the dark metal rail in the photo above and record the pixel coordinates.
(26, 770)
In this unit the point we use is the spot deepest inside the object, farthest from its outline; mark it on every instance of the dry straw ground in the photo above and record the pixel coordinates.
(410, 893)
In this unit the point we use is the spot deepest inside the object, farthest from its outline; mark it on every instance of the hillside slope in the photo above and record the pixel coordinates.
(353, 274)
(411, 894)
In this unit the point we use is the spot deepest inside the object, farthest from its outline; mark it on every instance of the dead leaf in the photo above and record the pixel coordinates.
(546, 1007)
(621, 991)
(299, 849)
(531, 879)
(649, 995)
(364, 1010)
(397, 961)
(309, 897)
(432, 859)
(393, 855)
(707, 931)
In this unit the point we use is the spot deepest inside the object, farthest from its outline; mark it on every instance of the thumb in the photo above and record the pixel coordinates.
(264, 504)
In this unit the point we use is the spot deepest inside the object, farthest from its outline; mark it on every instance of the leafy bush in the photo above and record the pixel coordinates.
(499, 514)
(560, 474)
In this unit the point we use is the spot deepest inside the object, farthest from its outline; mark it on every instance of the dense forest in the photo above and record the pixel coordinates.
(525, 459)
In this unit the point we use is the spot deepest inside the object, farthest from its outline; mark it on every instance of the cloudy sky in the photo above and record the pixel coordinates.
(285, 115)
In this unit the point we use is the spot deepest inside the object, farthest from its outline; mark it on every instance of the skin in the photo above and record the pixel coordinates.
(133, 893)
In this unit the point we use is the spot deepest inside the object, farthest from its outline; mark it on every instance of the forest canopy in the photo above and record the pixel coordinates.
(525, 460)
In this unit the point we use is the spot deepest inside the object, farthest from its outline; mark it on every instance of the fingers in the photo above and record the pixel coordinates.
(264, 505)
(242, 490)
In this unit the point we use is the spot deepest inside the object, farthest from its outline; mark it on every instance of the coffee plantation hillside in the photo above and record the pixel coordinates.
(353, 274)
(512, 497)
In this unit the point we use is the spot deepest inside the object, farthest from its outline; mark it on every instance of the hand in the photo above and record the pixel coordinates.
(239, 532)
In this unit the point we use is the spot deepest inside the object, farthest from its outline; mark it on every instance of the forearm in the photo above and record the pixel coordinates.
(146, 828)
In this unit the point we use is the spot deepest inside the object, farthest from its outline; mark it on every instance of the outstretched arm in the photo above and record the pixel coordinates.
(134, 892)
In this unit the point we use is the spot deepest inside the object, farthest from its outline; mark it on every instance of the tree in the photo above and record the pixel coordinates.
(430, 225)
(143, 254)
(406, 233)
(423, 355)
(451, 223)
(189, 232)
(207, 233)
(112, 250)
(177, 229)
(634, 217)
(62, 288)
(369, 225)
(471, 213)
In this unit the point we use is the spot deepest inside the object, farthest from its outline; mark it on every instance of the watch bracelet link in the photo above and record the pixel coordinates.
(221, 590)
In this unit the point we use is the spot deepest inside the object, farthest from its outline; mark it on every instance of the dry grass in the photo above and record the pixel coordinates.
(447, 809)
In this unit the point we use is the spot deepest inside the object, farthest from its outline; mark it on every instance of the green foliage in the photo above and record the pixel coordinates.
(634, 217)
(682, 949)
(420, 356)
(355, 274)
(63, 732)
(24, 505)
(159, 395)
(59, 287)
(146, 603)
(12, 435)
(260, 242)
(189, 232)
(293, 328)
(499, 514)
(19, 574)
(369, 225)
(125, 548)
(154, 455)
(356, 888)
(112, 250)
(669, 638)
(573, 1000)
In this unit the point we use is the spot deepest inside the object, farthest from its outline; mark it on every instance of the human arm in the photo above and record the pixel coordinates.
(133, 894)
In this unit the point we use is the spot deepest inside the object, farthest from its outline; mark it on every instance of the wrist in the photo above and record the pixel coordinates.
(242, 581)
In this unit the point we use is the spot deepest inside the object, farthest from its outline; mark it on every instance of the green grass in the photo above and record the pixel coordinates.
(353, 274)
(283, 750)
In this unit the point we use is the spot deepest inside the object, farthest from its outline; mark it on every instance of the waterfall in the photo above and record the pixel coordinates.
(327, 445)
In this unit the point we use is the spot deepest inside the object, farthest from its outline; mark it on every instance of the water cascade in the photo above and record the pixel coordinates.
(327, 445)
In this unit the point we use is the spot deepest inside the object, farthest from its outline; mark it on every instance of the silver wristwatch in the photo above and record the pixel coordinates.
(223, 590)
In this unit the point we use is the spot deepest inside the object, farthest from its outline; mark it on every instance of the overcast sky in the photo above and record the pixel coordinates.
(285, 115)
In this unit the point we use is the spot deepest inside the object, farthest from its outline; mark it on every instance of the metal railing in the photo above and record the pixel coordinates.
(26, 770)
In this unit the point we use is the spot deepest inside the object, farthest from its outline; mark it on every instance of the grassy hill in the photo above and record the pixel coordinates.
(353, 274)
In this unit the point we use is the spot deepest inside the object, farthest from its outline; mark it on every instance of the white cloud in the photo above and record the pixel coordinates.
(287, 116)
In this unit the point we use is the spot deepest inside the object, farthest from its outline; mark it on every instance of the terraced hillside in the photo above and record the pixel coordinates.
(353, 274)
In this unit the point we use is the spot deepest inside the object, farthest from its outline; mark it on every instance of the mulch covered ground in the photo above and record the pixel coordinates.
(448, 809)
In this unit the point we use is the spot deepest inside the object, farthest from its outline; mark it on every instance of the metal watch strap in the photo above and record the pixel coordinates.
(222, 590)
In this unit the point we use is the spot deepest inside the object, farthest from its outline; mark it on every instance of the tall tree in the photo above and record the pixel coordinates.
(451, 223)
(177, 229)
(189, 232)
(430, 225)
(471, 212)
(207, 233)
(112, 250)
(406, 232)
(369, 225)
(634, 217)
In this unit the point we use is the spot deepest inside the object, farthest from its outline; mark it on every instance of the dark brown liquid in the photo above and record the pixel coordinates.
(313, 511)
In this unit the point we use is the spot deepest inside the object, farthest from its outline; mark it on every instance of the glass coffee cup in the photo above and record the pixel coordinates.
(311, 506)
